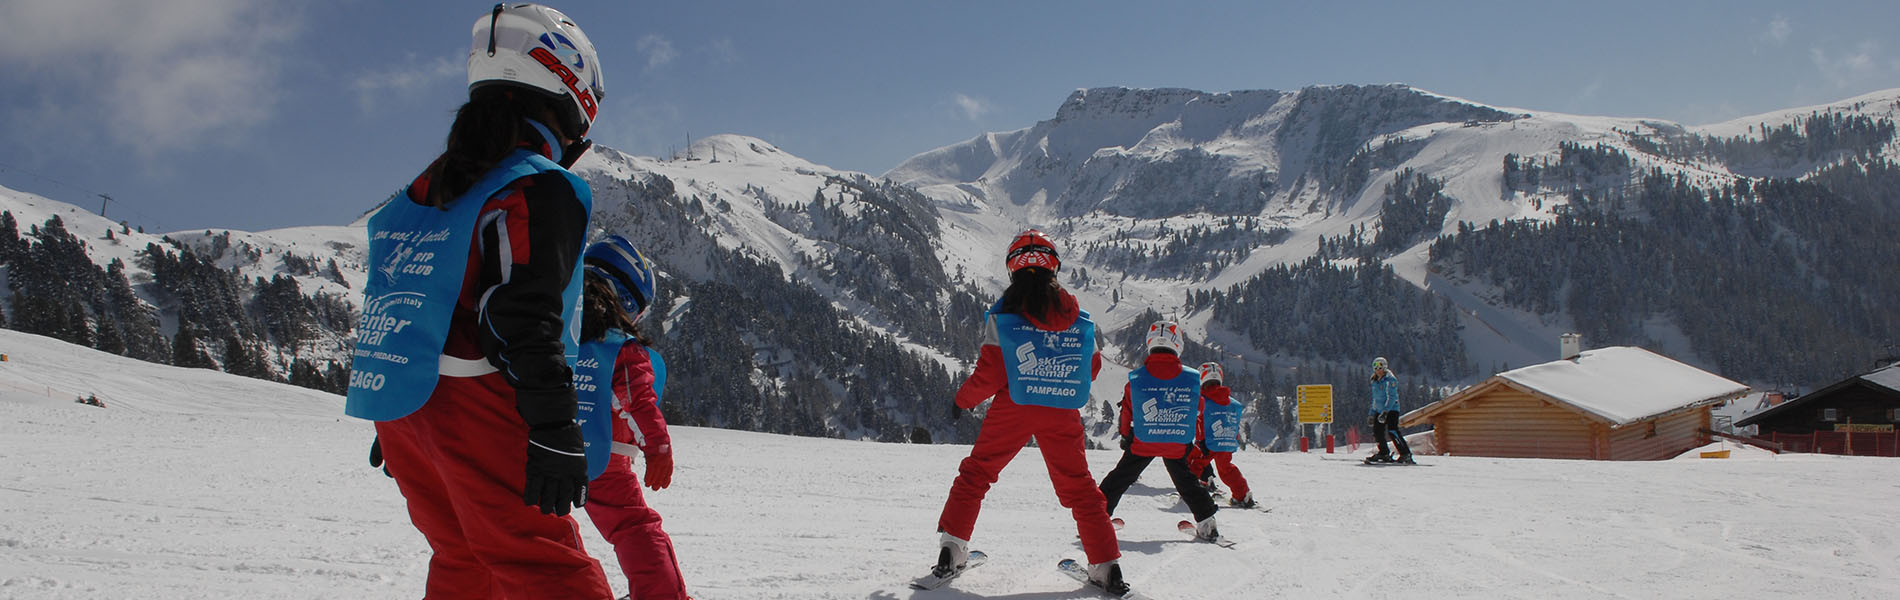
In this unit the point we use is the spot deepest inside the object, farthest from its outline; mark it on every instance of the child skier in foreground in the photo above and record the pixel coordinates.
(1038, 385)
(1220, 434)
(619, 381)
(462, 353)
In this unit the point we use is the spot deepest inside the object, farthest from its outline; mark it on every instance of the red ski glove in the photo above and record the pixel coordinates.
(659, 471)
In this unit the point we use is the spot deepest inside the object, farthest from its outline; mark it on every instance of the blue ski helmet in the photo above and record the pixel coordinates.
(631, 273)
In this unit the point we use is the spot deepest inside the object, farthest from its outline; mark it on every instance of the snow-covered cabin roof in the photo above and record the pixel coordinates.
(1887, 377)
(1623, 384)
(1619, 386)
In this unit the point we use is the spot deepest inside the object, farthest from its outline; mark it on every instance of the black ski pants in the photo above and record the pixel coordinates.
(1129, 470)
(1388, 425)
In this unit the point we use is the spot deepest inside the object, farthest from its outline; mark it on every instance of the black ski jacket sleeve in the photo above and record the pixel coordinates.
(527, 269)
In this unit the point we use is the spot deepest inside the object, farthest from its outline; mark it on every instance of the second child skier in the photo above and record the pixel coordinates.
(619, 380)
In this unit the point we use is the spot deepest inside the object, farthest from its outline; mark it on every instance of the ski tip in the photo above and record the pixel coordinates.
(1068, 563)
(978, 554)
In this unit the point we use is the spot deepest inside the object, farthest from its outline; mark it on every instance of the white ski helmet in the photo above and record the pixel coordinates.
(538, 48)
(1379, 363)
(1212, 373)
(1164, 334)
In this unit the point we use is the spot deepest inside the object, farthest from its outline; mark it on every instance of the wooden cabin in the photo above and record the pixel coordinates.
(1618, 403)
(1856, 415)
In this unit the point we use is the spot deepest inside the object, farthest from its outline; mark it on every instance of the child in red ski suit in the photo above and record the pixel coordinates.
(490, 465)
(1164, 342)
(1033, 296)
(1215, 393)
(619, 288)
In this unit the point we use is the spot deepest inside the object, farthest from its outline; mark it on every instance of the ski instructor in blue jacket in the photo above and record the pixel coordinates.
(1384, 414)
(468, 335)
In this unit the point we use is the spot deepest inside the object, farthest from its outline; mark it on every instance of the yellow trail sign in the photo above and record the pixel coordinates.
(1315, 404)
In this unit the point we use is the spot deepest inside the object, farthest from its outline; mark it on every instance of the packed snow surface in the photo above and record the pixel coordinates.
(1624, 384)
(194, 484)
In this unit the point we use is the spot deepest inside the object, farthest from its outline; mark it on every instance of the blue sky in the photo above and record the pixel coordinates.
(258, 114)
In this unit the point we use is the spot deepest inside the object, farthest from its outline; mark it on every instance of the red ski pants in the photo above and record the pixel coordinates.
(1223, 464)
(460, 461)
(1058, 432)
(620, 512)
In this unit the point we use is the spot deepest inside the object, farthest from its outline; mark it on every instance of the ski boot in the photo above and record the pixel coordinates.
(952, 556)
(1212, 488)
(1108, 576)
(1246, 502)
(1205, 530)
(1405, 459)
(1382, 457)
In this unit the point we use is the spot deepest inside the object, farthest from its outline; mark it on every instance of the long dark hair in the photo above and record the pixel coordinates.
(1032, 292)
(488, 127)
(600, 310)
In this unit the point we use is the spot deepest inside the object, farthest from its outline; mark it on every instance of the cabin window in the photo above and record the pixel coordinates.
(1829, 414)
(1650, 430)
(1893, 414)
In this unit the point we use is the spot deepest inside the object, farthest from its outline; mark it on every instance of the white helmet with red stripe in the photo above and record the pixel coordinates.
(538, 48)
(1164, 334)
(1212, 373)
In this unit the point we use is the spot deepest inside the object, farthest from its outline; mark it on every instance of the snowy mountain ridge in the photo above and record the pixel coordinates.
(1119, 163)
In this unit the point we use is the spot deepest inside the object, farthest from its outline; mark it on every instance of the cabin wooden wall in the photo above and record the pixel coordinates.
(1507, 422)
(1674, 435)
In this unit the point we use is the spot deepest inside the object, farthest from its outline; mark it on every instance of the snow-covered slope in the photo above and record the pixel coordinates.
(203, 485)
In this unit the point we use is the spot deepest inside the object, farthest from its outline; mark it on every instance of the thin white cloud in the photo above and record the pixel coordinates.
(154, 75)
(1589, 92)
(723, 52)
(405, 80)
(1778, 30)
(1862, 64)
(658, 50)
(971, 107)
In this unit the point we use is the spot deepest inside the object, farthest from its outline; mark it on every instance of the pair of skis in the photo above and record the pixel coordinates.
(1069, 566)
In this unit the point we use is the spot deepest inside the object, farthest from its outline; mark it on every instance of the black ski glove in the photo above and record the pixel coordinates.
(1126, 442)
(557, 469)
(1372, 420)
(376, 456)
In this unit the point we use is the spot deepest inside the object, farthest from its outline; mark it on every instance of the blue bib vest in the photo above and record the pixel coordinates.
(594, 389)
(418, 255)
(1164, 409)
(1046, 368)
(1223, 426)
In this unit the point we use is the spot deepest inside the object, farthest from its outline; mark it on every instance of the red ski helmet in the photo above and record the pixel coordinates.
(1031, 249)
